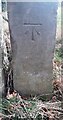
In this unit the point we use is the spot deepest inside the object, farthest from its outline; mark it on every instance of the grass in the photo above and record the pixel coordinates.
(59, 54)
(18, 108)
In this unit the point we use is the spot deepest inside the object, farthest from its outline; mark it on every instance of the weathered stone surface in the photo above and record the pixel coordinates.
(33, 27)
(0, 51)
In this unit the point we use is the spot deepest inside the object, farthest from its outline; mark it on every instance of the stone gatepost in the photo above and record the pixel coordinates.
(33, 30)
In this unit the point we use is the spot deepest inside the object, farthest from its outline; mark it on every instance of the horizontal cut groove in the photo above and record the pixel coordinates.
(33, 24)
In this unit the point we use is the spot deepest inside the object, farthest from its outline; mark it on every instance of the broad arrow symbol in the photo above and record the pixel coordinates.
(33, 29)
